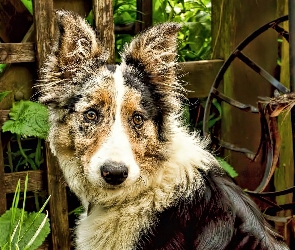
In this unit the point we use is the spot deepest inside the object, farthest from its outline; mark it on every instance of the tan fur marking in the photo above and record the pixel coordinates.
(147, 149)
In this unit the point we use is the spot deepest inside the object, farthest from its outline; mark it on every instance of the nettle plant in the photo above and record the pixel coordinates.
(21, 229)
(28, 121)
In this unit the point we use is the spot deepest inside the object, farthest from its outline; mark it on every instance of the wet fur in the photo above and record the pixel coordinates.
(176, 195)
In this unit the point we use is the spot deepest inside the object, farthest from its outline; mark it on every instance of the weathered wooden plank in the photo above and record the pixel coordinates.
(200, 76)
(44, 28)
(3, 202)
(17, 52)
(35, 181)
(17, 78)
(104, 24)
(58, 203)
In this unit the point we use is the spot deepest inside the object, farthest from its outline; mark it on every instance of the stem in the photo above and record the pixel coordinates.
(37, 201)
(9, 155)
(33, 165)
(38, 154)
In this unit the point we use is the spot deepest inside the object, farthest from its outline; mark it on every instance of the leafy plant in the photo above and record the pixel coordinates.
(124, 11)
(20, 229)
(27, 119)
(195, 15)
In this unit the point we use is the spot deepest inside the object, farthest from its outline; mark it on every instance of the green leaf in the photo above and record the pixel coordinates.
(90, 18)
(2, 67)
(29, 5)
(227, 167)
(28, 119)
(3, 95)
(30, 226)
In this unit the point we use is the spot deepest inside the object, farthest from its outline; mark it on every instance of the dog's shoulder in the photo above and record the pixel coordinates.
(220, 216)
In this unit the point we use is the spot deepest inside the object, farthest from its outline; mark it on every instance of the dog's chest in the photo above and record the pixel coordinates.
(113, 229)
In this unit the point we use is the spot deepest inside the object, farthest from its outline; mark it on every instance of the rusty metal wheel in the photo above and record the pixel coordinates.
(271, 147)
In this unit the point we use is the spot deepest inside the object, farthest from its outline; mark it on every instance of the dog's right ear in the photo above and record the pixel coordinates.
(76, 41)
(75, 47)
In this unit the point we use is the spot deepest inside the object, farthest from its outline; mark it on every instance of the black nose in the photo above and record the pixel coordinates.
(114, 173)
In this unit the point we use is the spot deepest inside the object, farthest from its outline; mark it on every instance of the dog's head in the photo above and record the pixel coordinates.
(115, 120)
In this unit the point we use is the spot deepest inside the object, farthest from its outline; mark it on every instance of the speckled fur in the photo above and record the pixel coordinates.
(171, 176)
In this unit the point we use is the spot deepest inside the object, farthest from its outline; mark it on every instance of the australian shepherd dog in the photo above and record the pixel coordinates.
(144, 180)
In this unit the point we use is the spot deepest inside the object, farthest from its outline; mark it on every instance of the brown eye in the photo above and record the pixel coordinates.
(138, 120)
(91, 115)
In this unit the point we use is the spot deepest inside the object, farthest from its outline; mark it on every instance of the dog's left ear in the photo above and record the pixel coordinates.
(154, 52)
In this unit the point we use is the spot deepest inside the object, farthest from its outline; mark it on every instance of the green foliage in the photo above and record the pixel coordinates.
(3, 94)
(28, 119)
(77, 211)
(20, 229)
(124, 11)
(195, 15)
(2, 67)
(29, 5)
(90, 18)
(227, 167)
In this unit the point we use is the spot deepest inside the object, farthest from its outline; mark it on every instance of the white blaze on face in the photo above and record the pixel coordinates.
(117, 147)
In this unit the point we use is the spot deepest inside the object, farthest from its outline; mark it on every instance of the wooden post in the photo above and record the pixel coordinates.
(145, 15)
(3, 203)
(44, 27)
(284, 174)
(232, 22)
(104, 23)
(58, 203)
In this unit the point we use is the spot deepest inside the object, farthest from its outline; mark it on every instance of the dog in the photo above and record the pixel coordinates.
(144, 180)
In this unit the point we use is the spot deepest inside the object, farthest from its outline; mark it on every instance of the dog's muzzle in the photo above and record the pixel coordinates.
(114, 173)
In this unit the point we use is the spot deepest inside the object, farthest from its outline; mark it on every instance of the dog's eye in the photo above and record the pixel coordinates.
(91, 115)
(138, 120)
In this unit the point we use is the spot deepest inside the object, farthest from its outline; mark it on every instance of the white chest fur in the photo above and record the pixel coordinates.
(114, 228)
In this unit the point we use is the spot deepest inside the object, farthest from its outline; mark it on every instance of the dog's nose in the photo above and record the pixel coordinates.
(114, 173)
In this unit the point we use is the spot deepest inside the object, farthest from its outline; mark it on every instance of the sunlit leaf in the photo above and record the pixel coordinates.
(27, 119)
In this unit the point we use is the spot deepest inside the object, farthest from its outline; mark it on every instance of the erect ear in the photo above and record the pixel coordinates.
(76, 41)
(75, 52)
(154, 52)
